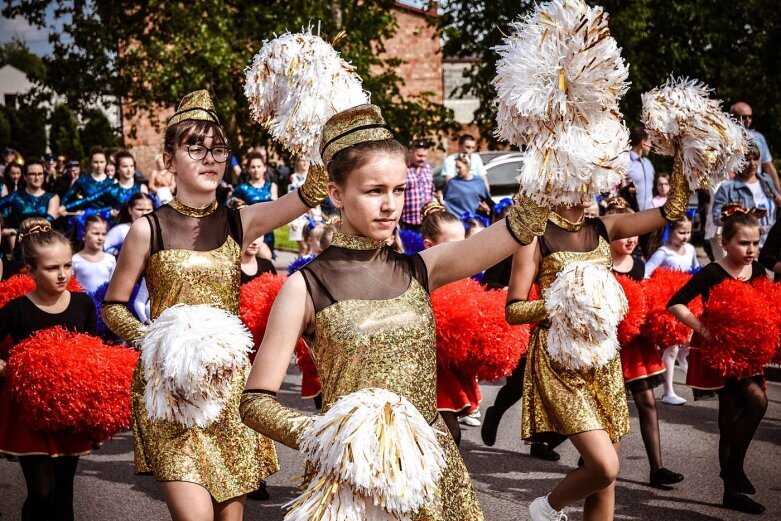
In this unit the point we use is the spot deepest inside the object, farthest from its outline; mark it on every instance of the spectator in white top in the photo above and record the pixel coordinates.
(641, 171)
(93, 267)
(742, 111)
(467, 147)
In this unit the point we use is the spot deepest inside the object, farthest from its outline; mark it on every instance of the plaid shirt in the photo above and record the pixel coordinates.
(420, 190)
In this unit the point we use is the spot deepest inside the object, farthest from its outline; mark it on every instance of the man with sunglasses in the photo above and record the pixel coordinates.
(743, 113)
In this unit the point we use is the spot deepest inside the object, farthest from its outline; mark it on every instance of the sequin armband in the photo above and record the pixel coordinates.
(526, 219)
(525, 312)
(261, 412)
(121, 321)
(315, 188)
(674, 208)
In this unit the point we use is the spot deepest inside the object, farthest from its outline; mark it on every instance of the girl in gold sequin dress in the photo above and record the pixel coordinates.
(365, 307)
(587, 405)
(189, 251)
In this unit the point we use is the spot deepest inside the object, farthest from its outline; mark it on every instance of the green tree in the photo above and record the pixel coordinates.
(17, 53)
(98, 131)
(150, 54)
(64, 136)
(28, 129)
(732, 46)
(5, 130)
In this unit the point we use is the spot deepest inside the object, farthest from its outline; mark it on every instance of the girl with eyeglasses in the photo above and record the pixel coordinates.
(189, 252)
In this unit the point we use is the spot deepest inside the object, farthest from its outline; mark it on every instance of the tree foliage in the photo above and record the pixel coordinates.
(64, 136)
(97, 131)
(732, 46)
(28, 129)
(17, 53)
(150, 54)
(5, 130)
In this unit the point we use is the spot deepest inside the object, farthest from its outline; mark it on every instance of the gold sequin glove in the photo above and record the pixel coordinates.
(525, 312)
(315, 188)
(526, 219)
(121, 321)
(674, 209)
(261, 412)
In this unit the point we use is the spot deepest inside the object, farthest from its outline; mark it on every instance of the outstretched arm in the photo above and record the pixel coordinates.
(621, 226)
(291, 315)
(519, 309)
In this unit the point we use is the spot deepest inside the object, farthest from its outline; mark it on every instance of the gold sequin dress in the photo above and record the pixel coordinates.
(374, 327)
(555, 398)
(196, 259)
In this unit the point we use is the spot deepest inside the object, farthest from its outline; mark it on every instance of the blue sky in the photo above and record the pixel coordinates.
(37, 38)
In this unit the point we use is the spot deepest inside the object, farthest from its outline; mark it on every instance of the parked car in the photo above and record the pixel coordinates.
(502, 168)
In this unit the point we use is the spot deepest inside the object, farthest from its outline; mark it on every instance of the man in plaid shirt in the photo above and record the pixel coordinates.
(420, 185)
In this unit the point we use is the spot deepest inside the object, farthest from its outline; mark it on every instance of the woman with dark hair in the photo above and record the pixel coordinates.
(189, 251)
(136, 207)
(12, 179)
(257, 189)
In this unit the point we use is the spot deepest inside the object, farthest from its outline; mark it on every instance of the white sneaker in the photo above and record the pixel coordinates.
(673, 399)
(540, 510)
(469, 420)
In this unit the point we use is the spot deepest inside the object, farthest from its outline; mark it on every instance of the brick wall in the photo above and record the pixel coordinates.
(148, 140)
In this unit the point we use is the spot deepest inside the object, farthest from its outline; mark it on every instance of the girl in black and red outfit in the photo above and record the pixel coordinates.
(742, 401)
(640, 361)
(48, 458)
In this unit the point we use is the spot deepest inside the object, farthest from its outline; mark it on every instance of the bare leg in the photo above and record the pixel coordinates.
(188, 501)
(594, 478)
(231, 510)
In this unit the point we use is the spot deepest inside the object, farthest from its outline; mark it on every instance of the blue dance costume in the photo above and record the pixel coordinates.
(18, 206)
(84, 191)
(251, 195)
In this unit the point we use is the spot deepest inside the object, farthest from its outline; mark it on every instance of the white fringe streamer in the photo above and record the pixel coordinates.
(680, 116)
(376, 458)
(190, 354)
(559, 80)
(585, 305)
(295, 84)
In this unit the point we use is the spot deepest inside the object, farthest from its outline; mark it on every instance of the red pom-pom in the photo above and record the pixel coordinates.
(629, 327)
(742, 328)
(499, 345)
(304, 360)
(457, 316)
(771, 292)
(22, 284)
(661, 328)
(72, 382)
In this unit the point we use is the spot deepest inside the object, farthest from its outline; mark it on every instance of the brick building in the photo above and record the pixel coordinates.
(415, 42)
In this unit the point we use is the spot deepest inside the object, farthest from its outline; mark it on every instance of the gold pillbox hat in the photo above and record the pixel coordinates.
(195, 105)
(350, 127)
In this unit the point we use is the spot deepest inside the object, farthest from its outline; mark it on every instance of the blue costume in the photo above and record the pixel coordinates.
(85, 187)
(110, 198)
(18, 206)
(251, 195)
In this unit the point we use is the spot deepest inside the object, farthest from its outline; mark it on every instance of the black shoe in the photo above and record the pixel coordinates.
(491, 421)
(665, 476)
(261, 494)
(738, 482)
(541, 451)
(742, 503)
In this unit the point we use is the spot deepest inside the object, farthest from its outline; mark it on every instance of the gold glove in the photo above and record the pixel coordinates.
(674, 209)
(526, 219)
(315, 188)
(121, 321)
(525, 312)
(261, 412)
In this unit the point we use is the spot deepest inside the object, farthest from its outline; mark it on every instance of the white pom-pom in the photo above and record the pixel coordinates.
(585, 305)
(190, 354)
(559, 80)
(295, 84)
(680, 116)
(376, 444)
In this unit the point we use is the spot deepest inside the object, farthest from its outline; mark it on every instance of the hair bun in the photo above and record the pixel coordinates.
(33, 229)
(433, 206)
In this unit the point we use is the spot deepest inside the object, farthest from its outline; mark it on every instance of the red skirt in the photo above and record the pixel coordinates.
(18, 439)
(310, 385)
(640, 360)
(457, 392)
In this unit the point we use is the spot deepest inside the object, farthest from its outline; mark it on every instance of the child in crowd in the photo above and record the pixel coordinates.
(661, 189)
(256, 260)
(92, 266)
(675, 254)
(48, 458)
(742, 400)
(137, 206)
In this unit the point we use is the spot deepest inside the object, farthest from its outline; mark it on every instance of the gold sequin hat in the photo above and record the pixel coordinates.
(350, 127)
(195, 105)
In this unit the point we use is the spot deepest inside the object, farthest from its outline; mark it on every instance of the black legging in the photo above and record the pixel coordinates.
(742, 405)
(451, 420)
(49, 487)
(511, 392)
(649, 426)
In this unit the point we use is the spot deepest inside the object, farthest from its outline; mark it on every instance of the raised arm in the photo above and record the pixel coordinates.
(131, 264)
(291, 315)
(519, 309)
(261, 218)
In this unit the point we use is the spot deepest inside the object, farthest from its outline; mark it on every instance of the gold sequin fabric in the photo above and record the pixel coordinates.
(569, 401)
(226, 457)
(391, 344)
(350, 127)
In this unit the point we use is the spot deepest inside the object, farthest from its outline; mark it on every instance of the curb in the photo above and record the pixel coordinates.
(773, 373)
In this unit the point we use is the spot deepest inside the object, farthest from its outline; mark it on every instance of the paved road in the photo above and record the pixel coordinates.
(505, 476)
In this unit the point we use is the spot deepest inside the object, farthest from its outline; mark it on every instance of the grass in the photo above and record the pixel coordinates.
(281, 240)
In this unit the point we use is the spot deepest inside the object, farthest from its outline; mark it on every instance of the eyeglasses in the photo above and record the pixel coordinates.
(220, 153)
(34, 174)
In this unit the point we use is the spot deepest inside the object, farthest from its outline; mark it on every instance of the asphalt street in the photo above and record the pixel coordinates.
(505, 476)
